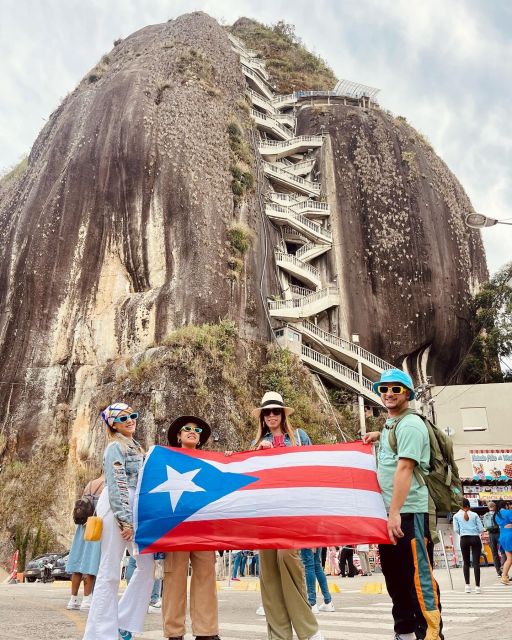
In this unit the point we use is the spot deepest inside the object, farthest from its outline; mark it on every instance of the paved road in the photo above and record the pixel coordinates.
(37, 611)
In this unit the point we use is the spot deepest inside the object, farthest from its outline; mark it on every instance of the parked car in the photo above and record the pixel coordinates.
(59, 569)
(33, 568)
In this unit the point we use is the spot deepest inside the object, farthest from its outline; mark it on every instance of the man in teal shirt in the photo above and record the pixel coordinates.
(406, 562)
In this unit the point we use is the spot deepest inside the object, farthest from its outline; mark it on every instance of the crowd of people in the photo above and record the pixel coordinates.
(288, 577)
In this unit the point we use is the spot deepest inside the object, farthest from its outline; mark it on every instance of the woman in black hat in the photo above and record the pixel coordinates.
(190, 432)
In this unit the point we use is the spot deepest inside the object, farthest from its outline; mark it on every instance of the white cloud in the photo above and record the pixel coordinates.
(444, 65)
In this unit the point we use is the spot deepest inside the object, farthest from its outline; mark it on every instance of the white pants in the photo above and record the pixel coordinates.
(106, 614)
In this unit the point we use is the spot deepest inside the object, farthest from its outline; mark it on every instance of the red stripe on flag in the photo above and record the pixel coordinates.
(338, 477)
(292, 532)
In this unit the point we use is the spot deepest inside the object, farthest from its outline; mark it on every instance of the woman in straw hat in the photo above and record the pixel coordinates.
(190, 432)
(122, 462)
(282, 580)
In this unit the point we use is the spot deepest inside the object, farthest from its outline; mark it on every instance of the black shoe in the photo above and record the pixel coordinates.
(176, 638)
(207, 638)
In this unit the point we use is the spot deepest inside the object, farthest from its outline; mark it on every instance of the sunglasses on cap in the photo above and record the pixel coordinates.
(132, 416)
(189, 428)
(271, 412)
(396, 388)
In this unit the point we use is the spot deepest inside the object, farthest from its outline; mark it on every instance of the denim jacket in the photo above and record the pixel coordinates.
(122, 462)
(303, 437)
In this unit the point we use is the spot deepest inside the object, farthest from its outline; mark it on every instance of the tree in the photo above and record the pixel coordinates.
(488, 359)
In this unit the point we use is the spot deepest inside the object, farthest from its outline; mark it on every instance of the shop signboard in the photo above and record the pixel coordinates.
(491, 464)
(493, 495)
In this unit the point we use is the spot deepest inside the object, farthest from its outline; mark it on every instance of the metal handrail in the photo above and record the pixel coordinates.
(307, 184)
(292, 141)
(302, 302)
(330, 338)
(257, 96)
(301, 291)
(248, 71)
(284, 98)
(307, 247)
(263, 116)
(289, 257)
(310, 204)
(314, 226)
(336, 366)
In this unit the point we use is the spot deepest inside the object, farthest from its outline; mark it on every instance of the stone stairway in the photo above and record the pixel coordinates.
(294, 204)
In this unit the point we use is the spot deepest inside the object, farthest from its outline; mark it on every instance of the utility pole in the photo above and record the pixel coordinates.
(424, 397)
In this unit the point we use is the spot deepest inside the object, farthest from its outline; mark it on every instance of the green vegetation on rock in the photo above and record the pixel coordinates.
(291, 65)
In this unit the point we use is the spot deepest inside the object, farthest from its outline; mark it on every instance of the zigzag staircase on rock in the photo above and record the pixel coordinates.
(294, 204)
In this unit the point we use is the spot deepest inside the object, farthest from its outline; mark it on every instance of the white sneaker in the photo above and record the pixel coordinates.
(73, 603)
(86, 603)
(260, 611)
(467, 589)
(318, 636)
(478, 590)
(327, 606)
(315, 609)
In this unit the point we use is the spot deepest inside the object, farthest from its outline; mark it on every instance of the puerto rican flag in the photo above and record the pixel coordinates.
(283, 498)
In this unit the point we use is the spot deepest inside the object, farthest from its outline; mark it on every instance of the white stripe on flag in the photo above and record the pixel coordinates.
(311, 458)
(293, 501)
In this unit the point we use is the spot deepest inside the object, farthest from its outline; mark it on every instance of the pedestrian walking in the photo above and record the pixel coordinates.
(407, 562)
(347, 561)
(492, 528)
(190, 432)
(362, 551)
(312, 561)
(282, 578)
(468, 526)
(333, 566)
(504, 520)
(84, 557)
(122, 462)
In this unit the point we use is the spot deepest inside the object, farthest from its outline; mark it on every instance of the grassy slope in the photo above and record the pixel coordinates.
(292, 67)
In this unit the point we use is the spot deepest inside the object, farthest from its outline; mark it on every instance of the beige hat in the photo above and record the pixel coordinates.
(272, 400)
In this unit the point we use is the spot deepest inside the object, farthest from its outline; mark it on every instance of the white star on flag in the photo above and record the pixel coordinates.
(177, 484)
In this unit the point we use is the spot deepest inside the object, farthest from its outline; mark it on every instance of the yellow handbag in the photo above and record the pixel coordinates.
(93, 529)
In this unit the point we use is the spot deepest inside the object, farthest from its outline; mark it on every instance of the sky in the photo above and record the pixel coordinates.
(443, 64)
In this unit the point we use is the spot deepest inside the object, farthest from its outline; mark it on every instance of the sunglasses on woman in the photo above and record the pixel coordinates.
(384, 388)
(132, 416)
(190, 428)
(271, 412)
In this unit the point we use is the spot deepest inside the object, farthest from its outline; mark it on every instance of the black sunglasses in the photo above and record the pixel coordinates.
(271, 412)
(132, 416)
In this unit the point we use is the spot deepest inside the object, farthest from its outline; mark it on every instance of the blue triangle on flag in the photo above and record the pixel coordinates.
(155, 513)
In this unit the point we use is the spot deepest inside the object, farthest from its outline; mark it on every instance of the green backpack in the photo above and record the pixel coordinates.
(443, 482)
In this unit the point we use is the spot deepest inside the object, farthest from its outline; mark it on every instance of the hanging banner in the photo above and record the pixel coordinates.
(491, 464)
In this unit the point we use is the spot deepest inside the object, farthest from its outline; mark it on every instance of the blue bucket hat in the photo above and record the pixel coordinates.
(396, 375)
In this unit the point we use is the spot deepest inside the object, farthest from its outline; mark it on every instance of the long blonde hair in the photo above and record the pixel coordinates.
(263, 429)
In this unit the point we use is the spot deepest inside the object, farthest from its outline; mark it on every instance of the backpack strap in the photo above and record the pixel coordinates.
(392, 440)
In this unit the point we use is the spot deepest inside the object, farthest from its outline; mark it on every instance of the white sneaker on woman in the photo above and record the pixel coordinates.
(86, 603)
(478, 590)
(260, 611)
(467, 589)
(315, 609)
(73, 604)
(327, 606)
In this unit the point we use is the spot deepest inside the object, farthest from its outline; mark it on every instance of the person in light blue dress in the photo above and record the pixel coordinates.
(84, 557)
(504, 521)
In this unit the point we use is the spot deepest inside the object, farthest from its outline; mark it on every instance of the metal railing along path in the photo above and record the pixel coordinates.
(359, 352)
(271, 122)
(290, 178)
(306, 300)
(300, 264)
(341, 370)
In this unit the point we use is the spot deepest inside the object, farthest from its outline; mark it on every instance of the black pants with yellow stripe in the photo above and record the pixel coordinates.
(407, 569)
